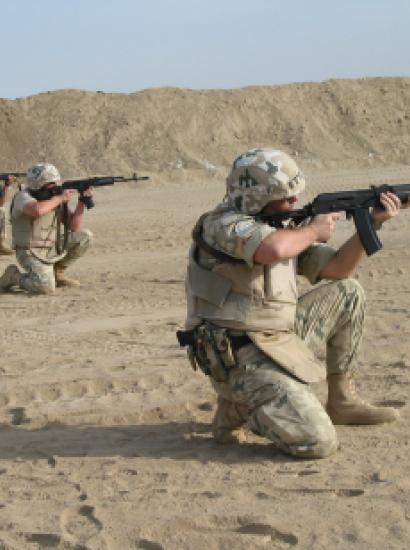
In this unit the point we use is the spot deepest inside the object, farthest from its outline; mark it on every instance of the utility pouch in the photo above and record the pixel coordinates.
(224, 347)
(210, 349)
(207, 345)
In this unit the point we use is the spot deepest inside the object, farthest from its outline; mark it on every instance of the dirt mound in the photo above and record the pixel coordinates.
(337, 123)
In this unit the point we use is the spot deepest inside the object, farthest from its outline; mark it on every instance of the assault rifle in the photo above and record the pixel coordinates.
(82, 185)
(4, 176)
(356, 204)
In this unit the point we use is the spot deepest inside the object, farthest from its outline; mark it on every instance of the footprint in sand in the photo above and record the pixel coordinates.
(18, 416)
(264, 529)
(44, 540)
(79, 524)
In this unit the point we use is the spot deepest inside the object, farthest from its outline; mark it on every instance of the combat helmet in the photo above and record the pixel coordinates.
(40, 174)
(259, 176)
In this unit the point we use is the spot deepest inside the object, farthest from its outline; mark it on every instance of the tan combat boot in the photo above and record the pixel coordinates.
(228, 418)
(4, 249)
(345, 407)
(10, 277)
(62, 279)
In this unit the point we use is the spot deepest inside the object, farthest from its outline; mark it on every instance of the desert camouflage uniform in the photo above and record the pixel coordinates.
(281, 406)
(39, 275)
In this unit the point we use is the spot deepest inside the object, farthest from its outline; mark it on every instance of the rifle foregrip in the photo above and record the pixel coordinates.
(366, 231)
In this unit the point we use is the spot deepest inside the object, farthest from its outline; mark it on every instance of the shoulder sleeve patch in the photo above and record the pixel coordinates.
(244, 229)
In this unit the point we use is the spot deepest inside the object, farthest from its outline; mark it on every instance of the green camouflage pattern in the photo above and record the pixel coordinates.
(329, 319)
(259, 176)
(38, 277)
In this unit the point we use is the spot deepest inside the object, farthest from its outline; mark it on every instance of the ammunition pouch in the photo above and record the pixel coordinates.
(211, 349)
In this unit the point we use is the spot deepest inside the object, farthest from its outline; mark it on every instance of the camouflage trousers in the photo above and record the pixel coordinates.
(281, 407)
(39, 277)
(2, 223)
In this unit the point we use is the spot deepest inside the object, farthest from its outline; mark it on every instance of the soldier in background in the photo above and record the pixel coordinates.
(249, 331)
(4, 185)
(47, 235)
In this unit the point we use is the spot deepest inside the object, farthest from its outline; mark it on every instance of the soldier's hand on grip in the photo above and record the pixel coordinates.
(324, 225)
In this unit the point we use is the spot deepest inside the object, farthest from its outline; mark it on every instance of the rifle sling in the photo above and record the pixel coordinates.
(62, 243)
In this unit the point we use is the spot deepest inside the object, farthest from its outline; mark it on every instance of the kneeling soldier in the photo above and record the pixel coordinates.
(46, 234)
(250, 331)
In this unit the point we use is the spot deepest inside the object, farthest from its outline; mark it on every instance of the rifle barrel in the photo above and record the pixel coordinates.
(5, 175)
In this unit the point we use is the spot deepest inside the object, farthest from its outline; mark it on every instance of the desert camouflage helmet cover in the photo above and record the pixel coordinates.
(42, 173)
(259, 176)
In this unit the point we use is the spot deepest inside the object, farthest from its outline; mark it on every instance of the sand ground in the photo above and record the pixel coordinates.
(105, 436)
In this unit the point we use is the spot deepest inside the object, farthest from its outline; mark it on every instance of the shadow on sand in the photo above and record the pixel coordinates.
(175, 440)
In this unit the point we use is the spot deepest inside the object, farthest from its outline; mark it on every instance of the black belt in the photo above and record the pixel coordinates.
(186, 338)
(239, 342)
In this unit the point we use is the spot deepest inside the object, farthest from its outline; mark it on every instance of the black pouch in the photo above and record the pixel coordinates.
(186, 338)
(210, 349)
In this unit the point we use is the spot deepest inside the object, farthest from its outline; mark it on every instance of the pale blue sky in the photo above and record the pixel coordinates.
(129, 45)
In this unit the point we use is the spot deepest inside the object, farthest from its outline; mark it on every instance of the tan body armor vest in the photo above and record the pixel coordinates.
(259, 300)
(40, 235)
